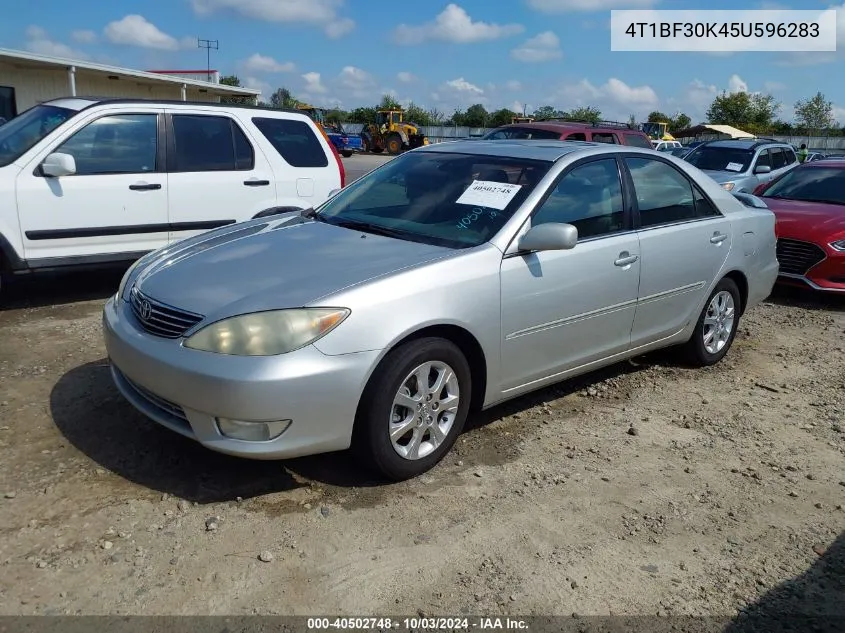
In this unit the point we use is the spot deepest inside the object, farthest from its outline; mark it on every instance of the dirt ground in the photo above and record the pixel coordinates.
(648, 488)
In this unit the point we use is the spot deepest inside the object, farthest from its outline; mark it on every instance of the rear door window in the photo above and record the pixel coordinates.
(576, 136)
(778, 158)
(605, 137)
(635, 140)
(210, 143)
(790, 156)
(294, 140)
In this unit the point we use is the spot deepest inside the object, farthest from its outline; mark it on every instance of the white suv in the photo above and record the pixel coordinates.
(95, 181)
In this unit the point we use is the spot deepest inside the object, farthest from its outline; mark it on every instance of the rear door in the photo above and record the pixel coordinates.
(216, 176)
(684, 241)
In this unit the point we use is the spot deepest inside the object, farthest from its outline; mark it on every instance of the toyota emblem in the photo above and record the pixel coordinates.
(145, 310)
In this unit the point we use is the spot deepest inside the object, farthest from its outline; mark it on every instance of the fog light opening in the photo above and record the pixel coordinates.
(252, 431)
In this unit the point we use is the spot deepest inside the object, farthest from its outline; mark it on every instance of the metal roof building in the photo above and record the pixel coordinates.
(28, 78)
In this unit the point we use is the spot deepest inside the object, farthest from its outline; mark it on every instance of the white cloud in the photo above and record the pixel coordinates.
(816, 58)
(458, 93)
(544, 47)
(405, 77)
(455, 25)
(519, 107)
(356, 82)
(339, 28)
(135, 30)
(188, 42)
(565, 6)
(774, 86)
(322, 13)
(258, 63)
(314, 84)
(616, 99)
(736, 84)
(514, 85)
(84, 36)
(839, 114)
(256, 84)
(38, 41)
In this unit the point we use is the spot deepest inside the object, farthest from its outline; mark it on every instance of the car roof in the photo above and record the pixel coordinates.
(745, 143)
(564, 126)
(546, 150)
(80, 103)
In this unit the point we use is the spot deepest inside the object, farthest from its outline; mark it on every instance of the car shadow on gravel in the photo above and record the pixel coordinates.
(36, 291)
(94, 417)
(90, 412)
(793, 296)
(813, 601)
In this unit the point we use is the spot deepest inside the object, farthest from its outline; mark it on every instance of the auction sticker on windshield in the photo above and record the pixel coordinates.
(734, 167)
(493, 195)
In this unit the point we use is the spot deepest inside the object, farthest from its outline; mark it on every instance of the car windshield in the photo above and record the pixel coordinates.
(712, 158)
(447, 199)
(522, 133)
(24, 131)
(813, 184)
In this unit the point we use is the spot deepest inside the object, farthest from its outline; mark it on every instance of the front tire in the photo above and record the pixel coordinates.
(346, 154)
(717, 325)
(394, 144)
(413, 409)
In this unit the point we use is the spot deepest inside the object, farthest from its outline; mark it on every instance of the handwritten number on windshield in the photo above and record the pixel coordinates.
(470, 218)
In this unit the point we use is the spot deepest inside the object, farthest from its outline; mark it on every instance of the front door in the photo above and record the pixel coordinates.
(684, 241)
(116, 202)
(564, 309)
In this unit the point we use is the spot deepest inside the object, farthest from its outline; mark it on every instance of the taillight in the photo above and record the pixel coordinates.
(759, 189)
(339, 166)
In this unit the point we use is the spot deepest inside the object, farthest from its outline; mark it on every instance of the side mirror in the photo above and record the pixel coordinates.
(551, 236)
(333, 193)
(57, 165)
(762, 169)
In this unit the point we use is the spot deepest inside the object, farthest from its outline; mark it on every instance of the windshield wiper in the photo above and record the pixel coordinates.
(308, 213)
(369, 227)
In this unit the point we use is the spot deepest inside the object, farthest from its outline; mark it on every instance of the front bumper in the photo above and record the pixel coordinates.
(826, 276)
(186, 390)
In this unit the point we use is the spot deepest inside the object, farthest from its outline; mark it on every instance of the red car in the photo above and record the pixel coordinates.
(809, 203)
(560, 130)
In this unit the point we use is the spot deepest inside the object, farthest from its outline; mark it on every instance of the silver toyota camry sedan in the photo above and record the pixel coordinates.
(448, 280)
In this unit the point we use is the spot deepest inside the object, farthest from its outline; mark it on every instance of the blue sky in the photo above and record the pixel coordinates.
(436, 53)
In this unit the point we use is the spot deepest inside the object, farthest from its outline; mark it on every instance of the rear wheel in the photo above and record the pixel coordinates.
(717, 325)
(413, 409)
(394, 144)
(346, 153)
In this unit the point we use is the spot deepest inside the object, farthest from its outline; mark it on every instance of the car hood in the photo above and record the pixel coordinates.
(271, 264)
(724, 176)
(807, 220)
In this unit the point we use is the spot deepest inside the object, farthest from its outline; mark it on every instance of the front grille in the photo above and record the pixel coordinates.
(797, 257)
(160, 319)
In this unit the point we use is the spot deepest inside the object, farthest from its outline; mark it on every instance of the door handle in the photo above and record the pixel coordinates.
(256, 183)
(625, 259)
(143, 186)
(718, 238)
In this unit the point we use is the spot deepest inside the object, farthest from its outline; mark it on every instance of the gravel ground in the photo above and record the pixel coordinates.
(648, 488)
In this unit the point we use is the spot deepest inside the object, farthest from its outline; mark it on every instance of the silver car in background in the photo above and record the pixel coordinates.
(448, 280)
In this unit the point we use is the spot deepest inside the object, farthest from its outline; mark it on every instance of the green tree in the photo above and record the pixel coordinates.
(416, 114)
(658, 117)
(501, 117)
(233, 80)
(546, 112)
(476, 116)
(680, 122)
(587, 113)
(815, 113)
(753, 113)
(362, 115)
(282, 98)
(388, 102)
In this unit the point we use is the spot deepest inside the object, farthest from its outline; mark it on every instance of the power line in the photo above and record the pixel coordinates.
(208, 45)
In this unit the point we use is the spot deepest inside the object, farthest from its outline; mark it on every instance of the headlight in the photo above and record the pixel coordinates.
(728, 186)
(267, 333)
(838, 245)
(122, 286)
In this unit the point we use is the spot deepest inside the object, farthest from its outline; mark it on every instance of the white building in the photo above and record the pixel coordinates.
(27, 79)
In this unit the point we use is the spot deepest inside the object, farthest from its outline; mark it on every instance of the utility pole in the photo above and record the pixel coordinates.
(208, 45)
